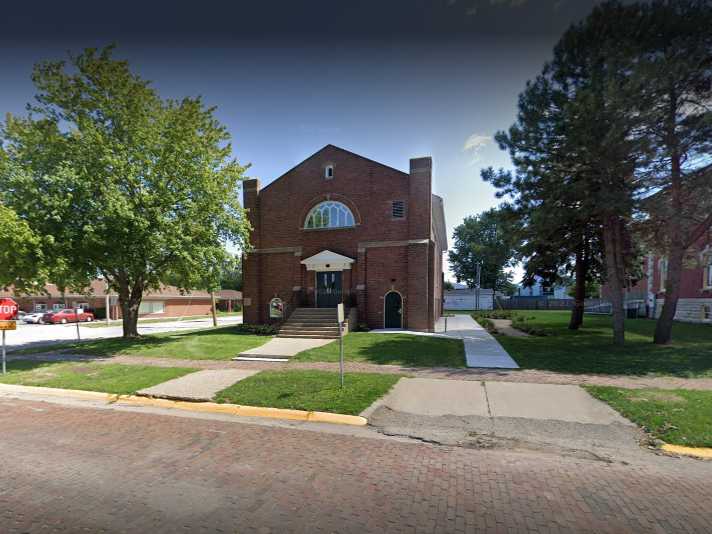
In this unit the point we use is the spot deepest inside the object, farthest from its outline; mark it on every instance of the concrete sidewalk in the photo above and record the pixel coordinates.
(426, 396)
(282, 348)
(559, 418)
(481, 348)
(198, 386)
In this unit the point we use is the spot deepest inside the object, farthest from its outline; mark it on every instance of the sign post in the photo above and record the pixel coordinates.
(78, 312)
(8, 311)
(340, 312)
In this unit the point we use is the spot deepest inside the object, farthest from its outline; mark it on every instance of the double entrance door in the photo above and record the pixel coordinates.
(328, 289)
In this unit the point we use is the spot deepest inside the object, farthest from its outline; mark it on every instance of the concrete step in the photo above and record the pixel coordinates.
(315, 315)
(314, 311)
(300, 324)
(308, 331)
(309, 336)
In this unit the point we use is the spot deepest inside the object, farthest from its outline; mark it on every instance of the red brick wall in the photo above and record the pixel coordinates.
(278, 212)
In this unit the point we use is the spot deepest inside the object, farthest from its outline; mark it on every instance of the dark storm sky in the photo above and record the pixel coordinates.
(389, 79)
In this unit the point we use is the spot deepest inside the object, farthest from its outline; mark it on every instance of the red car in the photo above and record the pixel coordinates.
(67, 316)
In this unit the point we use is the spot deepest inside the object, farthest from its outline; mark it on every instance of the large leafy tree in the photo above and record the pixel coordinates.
(124, 184)
(574, 152)
(673, 77)
(21, 261)
(231, 273)
(555, 221)
(486, 239)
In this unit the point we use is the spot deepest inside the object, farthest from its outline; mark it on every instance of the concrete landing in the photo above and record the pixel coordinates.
(198, 386)
(284, 347)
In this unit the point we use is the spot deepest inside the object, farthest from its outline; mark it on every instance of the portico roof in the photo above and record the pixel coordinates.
(326, 260)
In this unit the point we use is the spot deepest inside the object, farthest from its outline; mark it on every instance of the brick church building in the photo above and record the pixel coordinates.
(339, 227)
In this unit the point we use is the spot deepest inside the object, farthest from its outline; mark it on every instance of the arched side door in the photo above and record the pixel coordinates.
(393, 310)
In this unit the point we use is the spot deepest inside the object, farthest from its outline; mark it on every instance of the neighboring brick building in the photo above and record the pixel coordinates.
(168, 302)
(695, 303)
(339, 227)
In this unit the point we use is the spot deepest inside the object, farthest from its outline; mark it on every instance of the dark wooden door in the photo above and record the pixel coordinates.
(328, 289)
(393, 313)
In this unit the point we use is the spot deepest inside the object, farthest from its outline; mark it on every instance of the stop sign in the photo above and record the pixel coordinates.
(8, 309)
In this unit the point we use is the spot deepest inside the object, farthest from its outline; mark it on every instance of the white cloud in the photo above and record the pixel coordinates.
(475, 144)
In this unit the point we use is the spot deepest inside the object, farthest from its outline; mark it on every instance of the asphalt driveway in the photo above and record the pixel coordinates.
(37, 335)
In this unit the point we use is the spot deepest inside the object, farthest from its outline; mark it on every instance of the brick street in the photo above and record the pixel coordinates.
(70, 469)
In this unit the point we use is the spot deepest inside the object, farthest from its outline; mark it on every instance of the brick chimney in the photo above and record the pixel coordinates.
(251, 297)
(420, 198)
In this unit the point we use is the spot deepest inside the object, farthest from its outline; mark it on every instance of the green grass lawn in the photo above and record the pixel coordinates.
(121, 379)
(590, 349)
(396, 349)
(309, 390)
(680, 417)
(208, 344)
(101, 323)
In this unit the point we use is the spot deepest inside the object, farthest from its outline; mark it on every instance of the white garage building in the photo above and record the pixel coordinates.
(468, 299)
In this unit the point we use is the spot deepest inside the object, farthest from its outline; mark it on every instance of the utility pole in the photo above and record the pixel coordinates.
(212, 308)
(107, 303)
(477, 285)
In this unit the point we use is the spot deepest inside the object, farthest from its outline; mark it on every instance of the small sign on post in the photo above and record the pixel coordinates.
(8, 311)
(4, 326)
(340, 313)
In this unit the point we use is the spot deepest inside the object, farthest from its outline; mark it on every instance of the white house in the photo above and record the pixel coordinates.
(539, 289)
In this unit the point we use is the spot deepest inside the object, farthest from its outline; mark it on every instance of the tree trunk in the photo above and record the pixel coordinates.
(676, 248)
(615, 271)
(130, 301)
(663, 327)
(580, 290)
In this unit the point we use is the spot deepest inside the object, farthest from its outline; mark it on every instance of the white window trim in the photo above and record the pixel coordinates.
(663, 271)
(319, 208)
(329, 172)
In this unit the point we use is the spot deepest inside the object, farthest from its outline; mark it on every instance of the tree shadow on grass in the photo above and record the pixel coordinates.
(411, 351)
(592, 352)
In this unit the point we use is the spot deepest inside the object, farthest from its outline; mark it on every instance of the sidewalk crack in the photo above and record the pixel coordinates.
(489, 409)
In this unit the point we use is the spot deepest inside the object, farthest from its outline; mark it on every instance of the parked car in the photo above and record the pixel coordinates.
(33, 318)
(67, 316)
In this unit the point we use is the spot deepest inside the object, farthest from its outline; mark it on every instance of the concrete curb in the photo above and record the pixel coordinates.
(203, 407)
(697, 452)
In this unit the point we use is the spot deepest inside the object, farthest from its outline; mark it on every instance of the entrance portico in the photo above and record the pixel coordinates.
(328, 268)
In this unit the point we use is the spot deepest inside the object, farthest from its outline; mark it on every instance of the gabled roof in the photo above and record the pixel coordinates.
(327, 256)
(315, 154)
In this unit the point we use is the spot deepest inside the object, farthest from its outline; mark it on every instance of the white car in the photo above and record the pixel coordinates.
(33, 318)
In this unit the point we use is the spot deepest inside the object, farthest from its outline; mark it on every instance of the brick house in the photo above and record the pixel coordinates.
(695, 303)
(168, 302)
(339, 227)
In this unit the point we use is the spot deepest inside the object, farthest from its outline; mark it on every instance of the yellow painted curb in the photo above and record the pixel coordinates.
(202, 407)
(699, 452)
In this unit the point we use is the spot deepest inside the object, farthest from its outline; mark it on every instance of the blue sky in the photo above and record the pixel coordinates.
(411, 79)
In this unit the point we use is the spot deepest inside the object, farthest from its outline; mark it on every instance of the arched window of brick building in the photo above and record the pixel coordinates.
(329, 214)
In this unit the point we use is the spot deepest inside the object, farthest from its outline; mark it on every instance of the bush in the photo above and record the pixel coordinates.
(493, 314)
(257, 329)
(487, 324)
(520, 323)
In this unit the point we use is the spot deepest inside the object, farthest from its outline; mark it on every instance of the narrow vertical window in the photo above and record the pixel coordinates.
(329, 171)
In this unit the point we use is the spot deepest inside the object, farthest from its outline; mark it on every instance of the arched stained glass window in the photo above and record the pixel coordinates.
(329, 214)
